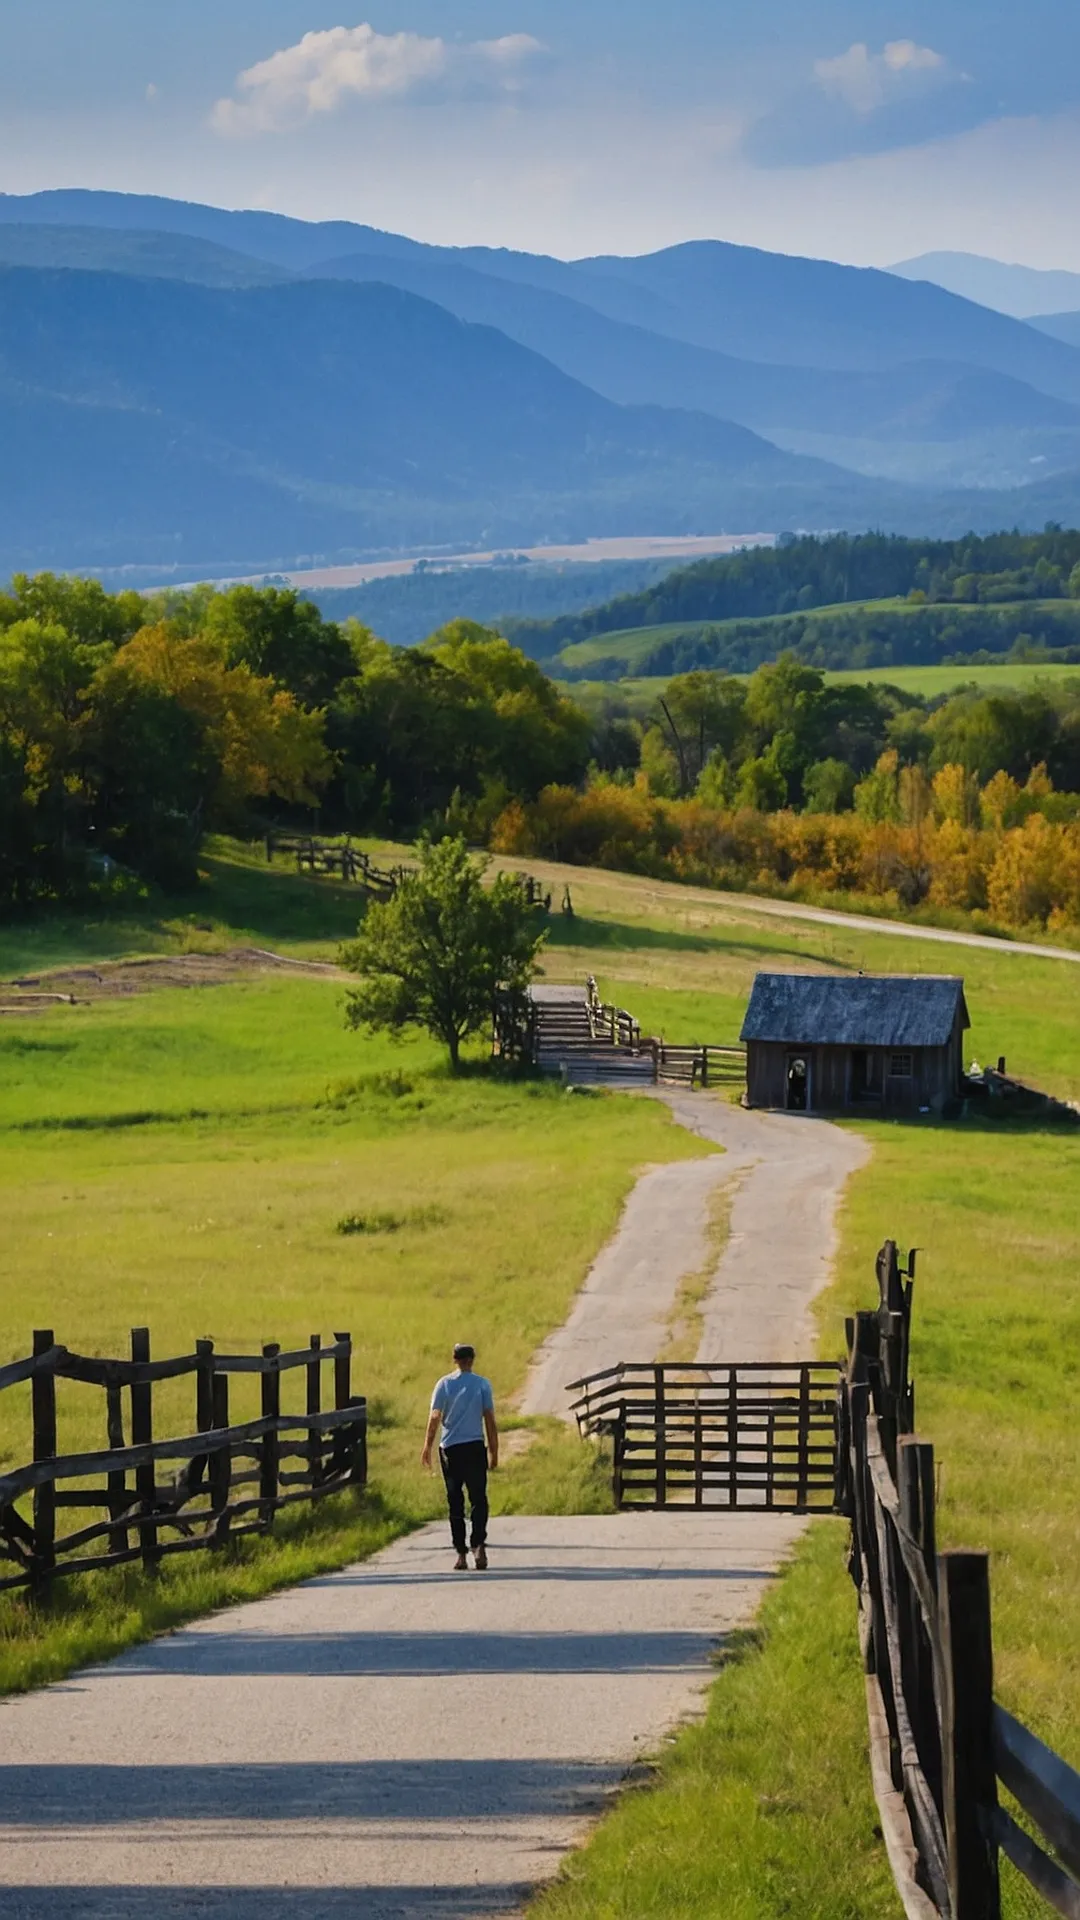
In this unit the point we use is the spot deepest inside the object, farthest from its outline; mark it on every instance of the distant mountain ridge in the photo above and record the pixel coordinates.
(1023, 292)
(182, 380)
(155, 420)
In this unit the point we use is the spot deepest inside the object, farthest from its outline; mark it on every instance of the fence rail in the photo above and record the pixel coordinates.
(340, 858)
(939, 1743)
(693, 1066)
(759, 1435)
(234, 1477)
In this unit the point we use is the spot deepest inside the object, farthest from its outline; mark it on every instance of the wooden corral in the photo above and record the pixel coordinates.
(891, 1043)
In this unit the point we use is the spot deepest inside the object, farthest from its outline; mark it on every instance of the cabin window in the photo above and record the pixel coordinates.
(900, 1066)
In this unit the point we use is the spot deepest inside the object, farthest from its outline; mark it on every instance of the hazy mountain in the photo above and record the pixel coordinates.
(738, 301)
(919, 401)
(1061, 326)
(165, 256)
(776, 307)
(1020, 291)
(481, 396)
(145, 418)
(273, 237)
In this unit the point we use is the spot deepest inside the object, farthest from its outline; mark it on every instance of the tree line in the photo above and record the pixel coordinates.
(802, 573)
(132, 726)
(854, 638)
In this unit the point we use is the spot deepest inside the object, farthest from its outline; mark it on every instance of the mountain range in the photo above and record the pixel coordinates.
(191, 386)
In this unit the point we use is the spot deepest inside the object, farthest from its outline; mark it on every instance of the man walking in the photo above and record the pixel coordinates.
(464, 1403)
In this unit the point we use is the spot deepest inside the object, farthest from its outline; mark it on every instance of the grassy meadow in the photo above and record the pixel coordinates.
(631, 646)
(640, 693)
(183, 1158)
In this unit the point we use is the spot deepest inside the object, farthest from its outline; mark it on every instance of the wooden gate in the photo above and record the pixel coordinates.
(756, 1435)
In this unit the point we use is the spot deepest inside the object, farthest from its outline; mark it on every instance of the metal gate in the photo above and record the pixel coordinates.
(756, 1435)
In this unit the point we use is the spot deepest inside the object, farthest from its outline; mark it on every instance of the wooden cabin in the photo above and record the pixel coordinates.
(880, 1043)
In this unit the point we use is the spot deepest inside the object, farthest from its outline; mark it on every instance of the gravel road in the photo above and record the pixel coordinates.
(399, 1740)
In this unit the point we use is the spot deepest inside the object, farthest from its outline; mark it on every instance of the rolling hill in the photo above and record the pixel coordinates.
(157, 420)
(306, 389)
(1025, 292)
(951, 393)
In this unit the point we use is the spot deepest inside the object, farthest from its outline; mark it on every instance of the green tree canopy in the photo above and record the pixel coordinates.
(437, 953)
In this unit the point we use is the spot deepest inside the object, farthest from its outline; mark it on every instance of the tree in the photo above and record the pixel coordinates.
(827, 787)
(279, 636)
(261, 742)
(437, 953)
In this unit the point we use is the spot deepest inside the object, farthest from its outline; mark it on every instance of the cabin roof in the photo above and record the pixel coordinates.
(855, 1010)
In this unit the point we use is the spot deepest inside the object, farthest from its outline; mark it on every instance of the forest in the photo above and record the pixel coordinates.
(131, 726)
(799, 574)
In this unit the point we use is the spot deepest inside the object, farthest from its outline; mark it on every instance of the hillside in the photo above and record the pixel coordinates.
(167, 421)
(819, 572)
(143, 253)
(859, 636)
(899, 380)
(1025, 292)
(921, 400)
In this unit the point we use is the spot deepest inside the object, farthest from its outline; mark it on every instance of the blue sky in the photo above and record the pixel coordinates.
(859, 129)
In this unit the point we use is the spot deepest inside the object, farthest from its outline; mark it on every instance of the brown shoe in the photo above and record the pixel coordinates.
(461, 1565)
(480, 1557)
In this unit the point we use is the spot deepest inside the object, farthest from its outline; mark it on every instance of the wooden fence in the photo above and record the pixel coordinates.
(939, 1743)
(233, 1479)
(761, 1434)
(692, 1066)
(337, 858)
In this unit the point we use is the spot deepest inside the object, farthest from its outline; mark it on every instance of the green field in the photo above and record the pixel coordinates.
(640, 693)
(632, 646)
(161, 1152)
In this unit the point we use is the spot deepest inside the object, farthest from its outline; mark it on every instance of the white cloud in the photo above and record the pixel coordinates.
(325, 70)
(866, 81)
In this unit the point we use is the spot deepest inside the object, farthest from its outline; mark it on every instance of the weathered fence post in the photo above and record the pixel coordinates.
(915, 1489)
(270, 1385)
(142, 1434)
(699, 1457)
(314, 1405)
(804, 1436)
(220, 1460)
(116, 1482)
(43, 1404)
(618, 1439)
(970, 1782)
(660, 1419)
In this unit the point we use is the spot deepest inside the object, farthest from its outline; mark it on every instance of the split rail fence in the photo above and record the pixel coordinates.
(233, 1478)
(693, 1066)
(940, 1745)
(336, 857)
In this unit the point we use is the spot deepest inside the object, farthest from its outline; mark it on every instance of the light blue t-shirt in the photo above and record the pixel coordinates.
(462, 1399)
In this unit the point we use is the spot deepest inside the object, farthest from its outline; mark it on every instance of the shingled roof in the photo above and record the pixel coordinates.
(854, 1010)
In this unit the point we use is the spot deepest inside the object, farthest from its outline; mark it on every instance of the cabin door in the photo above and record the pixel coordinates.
(798, 1082)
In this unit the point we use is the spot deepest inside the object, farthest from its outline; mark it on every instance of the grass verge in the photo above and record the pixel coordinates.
(184, 1160)
(766, 1808)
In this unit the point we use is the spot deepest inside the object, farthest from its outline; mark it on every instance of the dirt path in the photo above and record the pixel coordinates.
(787, 1172)
(401, 1741)
(119, 979)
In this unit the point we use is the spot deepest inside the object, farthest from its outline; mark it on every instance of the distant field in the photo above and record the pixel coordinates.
(633, 645)
(639, 692)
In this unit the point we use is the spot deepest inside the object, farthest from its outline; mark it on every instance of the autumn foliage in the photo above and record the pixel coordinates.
(995, 852)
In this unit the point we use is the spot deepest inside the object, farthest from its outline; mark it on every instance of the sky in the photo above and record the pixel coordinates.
(860, 130)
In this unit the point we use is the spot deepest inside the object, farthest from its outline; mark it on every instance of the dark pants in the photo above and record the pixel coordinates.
(465, 1469)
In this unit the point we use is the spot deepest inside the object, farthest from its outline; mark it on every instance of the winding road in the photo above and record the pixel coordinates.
(397, 1740)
